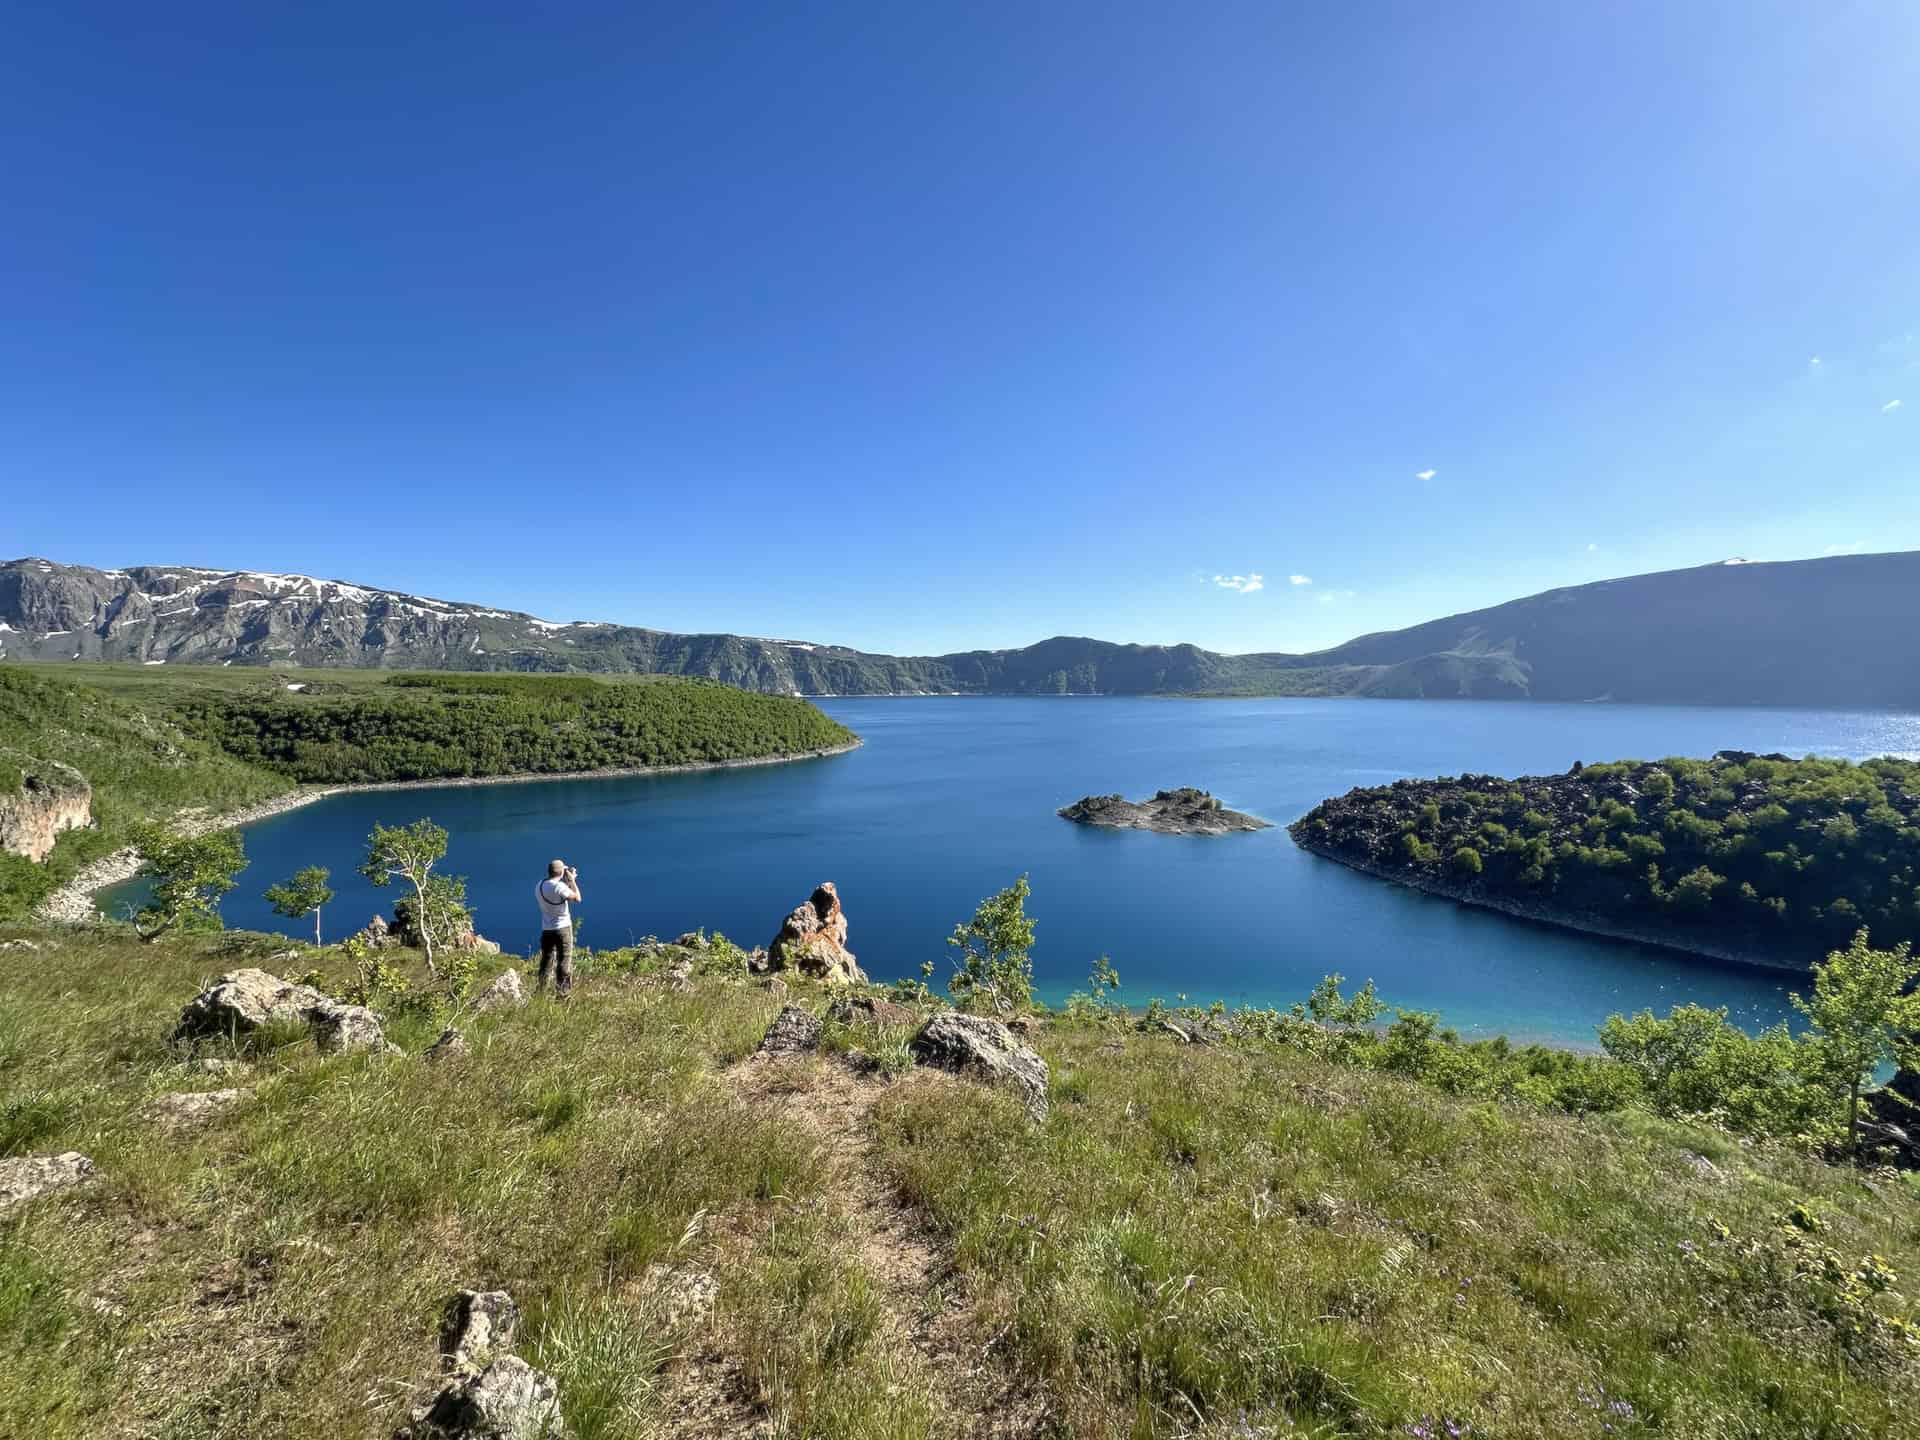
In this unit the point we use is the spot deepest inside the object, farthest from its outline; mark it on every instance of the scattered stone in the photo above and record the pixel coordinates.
(813, 941)
(1703, 1167)
(473, 940)
(794, 1031)
(376, 934)
(1022, 1025)
(509, 1400)
(870, 1010)
(679, 975)
(190, 1107)
(777, 988)
(758, 962)
(1184, 1031)
(244, 1000)
(479, 1325)
(343, 1029)
(450, 1046)
(693, 940)
(213, 1065)
(984, 1049)
(18, 945)
(685, 1297)
(505, 993)
(28, 1177)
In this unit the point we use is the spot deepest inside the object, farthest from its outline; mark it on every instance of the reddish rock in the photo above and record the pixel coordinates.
(813, 941)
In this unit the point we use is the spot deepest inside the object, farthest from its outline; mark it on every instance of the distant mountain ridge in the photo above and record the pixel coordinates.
(1834, 632)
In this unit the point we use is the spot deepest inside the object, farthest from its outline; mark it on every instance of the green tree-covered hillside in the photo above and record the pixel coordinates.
(1765, 856)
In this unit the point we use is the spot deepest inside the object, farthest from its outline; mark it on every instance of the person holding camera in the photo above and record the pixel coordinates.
(555, 893)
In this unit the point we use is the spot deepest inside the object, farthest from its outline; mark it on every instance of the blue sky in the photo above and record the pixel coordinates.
(918, 327)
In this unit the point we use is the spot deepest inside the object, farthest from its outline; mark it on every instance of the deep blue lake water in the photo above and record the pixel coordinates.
(952, 798)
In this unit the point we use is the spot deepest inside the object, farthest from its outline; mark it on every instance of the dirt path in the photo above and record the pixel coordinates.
(926, 1310)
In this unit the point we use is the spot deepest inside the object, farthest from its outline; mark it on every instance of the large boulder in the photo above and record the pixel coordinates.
(28, 1177)
(813, 941)
(984, 1049)
(794, 1032)
(245, 1000)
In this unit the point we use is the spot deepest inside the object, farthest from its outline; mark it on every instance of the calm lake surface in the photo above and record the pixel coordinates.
(951, 799)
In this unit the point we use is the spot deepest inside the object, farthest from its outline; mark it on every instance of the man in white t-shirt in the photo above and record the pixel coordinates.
(554, 893)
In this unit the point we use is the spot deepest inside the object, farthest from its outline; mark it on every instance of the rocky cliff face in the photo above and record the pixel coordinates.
(49, 798)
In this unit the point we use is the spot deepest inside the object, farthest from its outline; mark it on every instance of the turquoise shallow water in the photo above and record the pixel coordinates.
(952, 798)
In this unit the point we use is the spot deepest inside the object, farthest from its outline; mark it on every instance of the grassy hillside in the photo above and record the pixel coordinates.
(139, 762)
(1224, 1241)
(154, 743)
(1774, 858)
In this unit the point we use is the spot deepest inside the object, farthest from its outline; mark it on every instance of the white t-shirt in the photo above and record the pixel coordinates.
(553, 896)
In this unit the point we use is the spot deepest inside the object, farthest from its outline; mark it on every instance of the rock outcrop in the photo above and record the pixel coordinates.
(242, 1002)
(491, 1393)
(48, 799)
(28, 1177)
(973, 1045)
(794, 1031)
(1185, 811)
(813, 941)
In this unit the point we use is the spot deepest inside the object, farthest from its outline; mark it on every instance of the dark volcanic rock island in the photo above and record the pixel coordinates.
(1185, 811)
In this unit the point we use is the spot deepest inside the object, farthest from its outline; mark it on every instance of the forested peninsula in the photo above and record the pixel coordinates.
(1756, 858)
(88, 751)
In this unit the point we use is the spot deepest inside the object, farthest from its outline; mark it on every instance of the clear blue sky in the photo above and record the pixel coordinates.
(919, 326)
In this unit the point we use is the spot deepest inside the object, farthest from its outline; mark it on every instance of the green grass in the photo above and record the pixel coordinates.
(1199, 1240)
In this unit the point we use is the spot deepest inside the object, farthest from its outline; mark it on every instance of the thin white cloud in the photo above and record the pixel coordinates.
(1299, 579)
(1335, 597)
(1891, 406)
(1814, 361)
(1592, 548)
(1425, 474)
(1852, 547)
(1245, 584)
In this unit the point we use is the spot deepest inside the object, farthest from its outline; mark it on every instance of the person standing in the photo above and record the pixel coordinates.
(555, 894)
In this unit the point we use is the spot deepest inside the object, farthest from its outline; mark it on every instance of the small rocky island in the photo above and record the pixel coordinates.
(1185, 811)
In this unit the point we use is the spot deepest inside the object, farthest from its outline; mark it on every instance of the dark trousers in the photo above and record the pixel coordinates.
(556, 956)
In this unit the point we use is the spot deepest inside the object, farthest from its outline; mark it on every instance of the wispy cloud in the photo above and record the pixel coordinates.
(1245, 584)
(1815, 361)
(1852, 547)
(1425, 474)
(1299, 579)
(1335, 597)
(1592, 548)
(1891, 406)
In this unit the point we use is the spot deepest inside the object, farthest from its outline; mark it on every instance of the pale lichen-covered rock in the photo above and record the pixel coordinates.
(241, 1002)
(684, 1298)
(48, 799)
(344, 1029)
(28, 1177)
(480, 1325)
(793, 1032)
(813, 941)
(509, 1400)
(450, 1046)
(190, 1107)
(986, 1050)
(505, 993)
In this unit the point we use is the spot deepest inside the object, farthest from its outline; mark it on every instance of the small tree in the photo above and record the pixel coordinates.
(409, 852)
(993, 964)
(1861, 1017)
(301, 896)
(189, 876)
